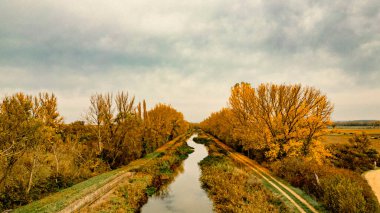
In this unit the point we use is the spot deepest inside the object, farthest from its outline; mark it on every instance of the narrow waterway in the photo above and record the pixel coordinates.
(185, 194)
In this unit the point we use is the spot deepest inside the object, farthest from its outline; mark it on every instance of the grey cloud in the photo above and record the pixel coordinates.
(172, 50)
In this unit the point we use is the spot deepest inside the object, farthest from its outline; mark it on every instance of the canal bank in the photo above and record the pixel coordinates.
(185, 193)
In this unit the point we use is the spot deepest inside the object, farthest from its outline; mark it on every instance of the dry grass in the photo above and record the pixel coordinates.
(233, 188)
(342, 135)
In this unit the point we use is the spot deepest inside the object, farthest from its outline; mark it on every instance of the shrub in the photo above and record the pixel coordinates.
(339, 190)
(343, 194)
(151, 190)
(349, 157)
(201, 140)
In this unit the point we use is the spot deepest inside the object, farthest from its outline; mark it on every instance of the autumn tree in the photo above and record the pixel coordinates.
(287, 119)
(95, 117)
(45, 109)
(19, 131)
(281, 120)
(117, 122)
(126, 135)
(223, 124)
(163, 123)
(39, 153)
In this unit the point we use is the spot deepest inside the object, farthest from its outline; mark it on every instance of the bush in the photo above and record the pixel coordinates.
(201, 140)
(339, 190)
(151, 190)
(343, 194)
(349, 157)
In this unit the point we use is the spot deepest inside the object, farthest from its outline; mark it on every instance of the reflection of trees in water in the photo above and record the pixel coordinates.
(164, 190)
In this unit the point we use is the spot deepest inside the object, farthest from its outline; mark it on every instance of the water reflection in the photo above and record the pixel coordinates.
(185, 194)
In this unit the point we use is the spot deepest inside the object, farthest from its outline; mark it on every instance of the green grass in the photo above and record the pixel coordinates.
(151, 190)
(298, 191)
(154, 155)
(63, 198)
(302, 194)
(278, 194)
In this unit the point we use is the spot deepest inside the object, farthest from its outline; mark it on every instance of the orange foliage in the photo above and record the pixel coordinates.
(280, 120)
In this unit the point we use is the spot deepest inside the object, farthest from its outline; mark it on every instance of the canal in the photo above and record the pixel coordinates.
(185, 194)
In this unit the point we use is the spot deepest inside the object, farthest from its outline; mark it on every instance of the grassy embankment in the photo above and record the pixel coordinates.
(341, 135)
(232, 187)
(150, 173)
(131, 194)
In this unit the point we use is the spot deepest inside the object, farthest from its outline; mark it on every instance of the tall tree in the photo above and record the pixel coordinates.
(283, 120)
(95, 117)
(288, 118)
(118, 127)
(165, 123)
(19, 131)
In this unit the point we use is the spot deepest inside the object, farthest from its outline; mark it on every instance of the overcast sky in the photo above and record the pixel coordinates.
(189, 53)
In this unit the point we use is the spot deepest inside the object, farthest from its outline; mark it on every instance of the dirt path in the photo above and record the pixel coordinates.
(301, 204)
(95, 195)
(373, 178)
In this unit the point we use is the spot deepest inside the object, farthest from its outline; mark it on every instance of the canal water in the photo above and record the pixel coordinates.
(185, 194)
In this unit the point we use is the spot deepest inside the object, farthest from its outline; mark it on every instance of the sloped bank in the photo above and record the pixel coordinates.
(132, 193)
(233, 188)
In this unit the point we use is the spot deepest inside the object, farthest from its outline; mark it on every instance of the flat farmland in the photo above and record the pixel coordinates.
(341, 135)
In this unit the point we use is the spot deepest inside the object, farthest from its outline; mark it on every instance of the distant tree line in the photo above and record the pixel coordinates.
(365, 123)
(40, 154)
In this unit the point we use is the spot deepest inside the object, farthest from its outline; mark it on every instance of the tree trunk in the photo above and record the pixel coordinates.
(31, 176)
(100, 141)
(56, 163)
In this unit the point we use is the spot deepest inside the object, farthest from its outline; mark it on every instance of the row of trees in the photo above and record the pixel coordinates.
(39, 153)
(272, 122)
(364, 123)
(125, 132)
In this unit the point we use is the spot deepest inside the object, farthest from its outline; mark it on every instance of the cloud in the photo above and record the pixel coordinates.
(189, 54)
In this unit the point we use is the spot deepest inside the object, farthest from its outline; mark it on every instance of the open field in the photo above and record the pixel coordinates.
(341, 135)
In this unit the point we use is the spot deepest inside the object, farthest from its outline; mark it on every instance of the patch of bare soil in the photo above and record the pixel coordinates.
(373, 178)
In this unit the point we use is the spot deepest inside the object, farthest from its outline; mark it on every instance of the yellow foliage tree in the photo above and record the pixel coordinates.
(281, 120)
(163, 123)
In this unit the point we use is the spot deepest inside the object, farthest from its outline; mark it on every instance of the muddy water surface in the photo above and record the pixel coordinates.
(185, 194)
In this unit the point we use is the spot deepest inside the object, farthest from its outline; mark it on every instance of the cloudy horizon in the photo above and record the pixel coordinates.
(189, 54)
